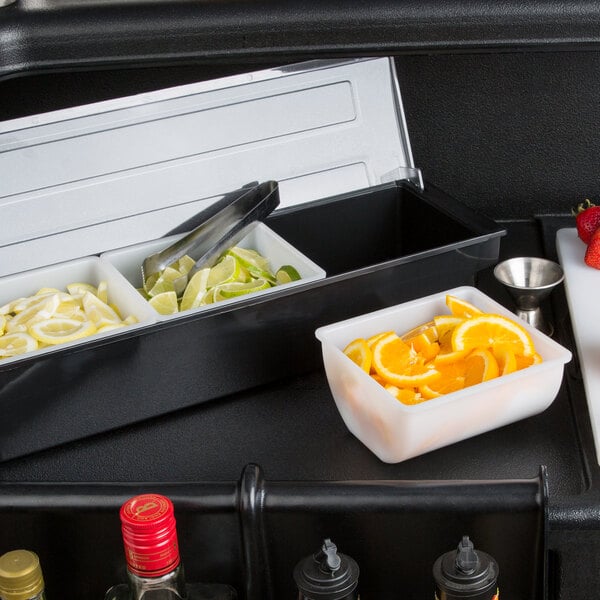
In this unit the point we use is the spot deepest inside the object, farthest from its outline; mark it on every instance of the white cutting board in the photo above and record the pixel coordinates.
(582, 284)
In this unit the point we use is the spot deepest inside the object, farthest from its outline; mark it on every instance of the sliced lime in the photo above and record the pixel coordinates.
(195, 290)
(225, 271)
(249, 258)
(232, 290)
(287, 274)
(165, 303)
(160, 287)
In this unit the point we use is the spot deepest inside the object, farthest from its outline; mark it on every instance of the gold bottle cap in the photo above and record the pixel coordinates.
(20, 575)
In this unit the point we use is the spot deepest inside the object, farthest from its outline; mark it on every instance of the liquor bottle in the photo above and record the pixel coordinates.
(466, 573)
(327, 575)
(154, 568)
(21, 576)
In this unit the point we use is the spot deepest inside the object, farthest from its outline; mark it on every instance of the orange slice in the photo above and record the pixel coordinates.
(522, 362)
(445, 325)
(507, 362)
(399, 364)
(492, 331)
(480, 366)
(405, 395)
(452, 380)
(461, 308)
(425, 343)
(359, 352)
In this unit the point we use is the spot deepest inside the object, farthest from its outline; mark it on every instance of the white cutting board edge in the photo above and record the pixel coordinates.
(582, 285)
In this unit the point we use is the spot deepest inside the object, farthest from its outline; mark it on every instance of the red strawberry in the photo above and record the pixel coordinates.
(588, 220)
(592, 254)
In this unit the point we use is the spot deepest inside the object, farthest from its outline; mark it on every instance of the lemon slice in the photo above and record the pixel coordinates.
(98, 312)
(2, 324)
(237, 288)
(286, 274)
(195, 290)
(43, 309)
(16, 343)
(165, 303)
(103, 291)
(60, 330)
(225, 271)
(47, 290)
(76, 289)
(110, 327)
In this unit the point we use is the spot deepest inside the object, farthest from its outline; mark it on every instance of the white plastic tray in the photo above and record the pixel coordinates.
(85, 270)
(395, 431)
(261, 238)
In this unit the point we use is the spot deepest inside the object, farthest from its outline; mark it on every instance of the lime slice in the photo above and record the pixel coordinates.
(76, 289)
(287, 274)
(165, 303)
(16, 343)
(150, 281)
(209, 296)
(60, 330)
(249, 258)
(237, 288)
(184, 265)
(195, 290)
(160, 287)
(225, 271)
(98, 312)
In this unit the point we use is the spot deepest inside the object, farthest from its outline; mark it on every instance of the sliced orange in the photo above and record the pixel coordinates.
(492, 331)
(359, 352)
(445, 325)
(507, 362)
(374, 338)
(425, 344)
(452, 380)
(480, 366)
(401, 365)
(522, 362)
(405, 395)
(461, 308)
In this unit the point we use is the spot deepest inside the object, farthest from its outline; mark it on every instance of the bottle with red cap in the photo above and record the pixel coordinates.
(154, 568)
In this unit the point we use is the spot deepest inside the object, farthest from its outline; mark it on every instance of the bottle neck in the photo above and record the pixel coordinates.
(170, 586)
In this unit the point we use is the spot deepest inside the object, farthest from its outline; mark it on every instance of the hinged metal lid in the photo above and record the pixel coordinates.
(80, 181)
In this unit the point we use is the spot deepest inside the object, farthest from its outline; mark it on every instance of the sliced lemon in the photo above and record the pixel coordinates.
(38, 311)
(237, 288)
(103, 291)
(226, 270)
(16, 343)
(286, 274)
(130, 320)
(195, 290)
(110, 327)
(2, 324)
(47, 290)
(165, 303)
(98, 312)
(61, 330)
(79, 288)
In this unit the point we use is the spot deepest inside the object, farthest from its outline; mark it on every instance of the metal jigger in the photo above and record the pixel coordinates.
(529, 281)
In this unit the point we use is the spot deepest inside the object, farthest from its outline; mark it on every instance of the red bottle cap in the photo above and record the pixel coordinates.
(149, 535)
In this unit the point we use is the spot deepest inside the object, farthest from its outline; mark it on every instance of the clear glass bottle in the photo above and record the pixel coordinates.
(154, 568)
(21, 576)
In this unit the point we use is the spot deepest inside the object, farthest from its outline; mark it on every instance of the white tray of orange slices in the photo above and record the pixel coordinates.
(519, 370)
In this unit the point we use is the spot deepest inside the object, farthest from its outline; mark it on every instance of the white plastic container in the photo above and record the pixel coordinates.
(84, 270)
(395, 431)
(261, 238)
